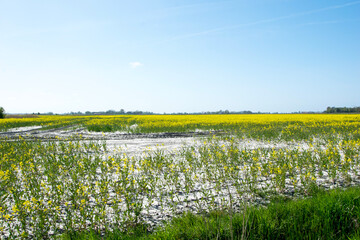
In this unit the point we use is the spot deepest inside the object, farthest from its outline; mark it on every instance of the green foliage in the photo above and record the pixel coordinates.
(2, 112)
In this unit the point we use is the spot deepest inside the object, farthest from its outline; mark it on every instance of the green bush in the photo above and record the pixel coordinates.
(2, 112)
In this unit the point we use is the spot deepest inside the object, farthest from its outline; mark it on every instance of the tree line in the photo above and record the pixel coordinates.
(342, 110)
(123, 112)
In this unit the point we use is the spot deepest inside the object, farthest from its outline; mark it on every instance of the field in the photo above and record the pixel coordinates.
(62, 174)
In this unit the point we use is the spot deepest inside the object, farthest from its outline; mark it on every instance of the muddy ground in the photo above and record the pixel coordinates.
(134, 142)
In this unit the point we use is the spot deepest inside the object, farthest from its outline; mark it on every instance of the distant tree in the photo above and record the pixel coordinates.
(110, 112)
(2, 112)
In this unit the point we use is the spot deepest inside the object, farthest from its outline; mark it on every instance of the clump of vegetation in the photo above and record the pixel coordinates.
(2, 112)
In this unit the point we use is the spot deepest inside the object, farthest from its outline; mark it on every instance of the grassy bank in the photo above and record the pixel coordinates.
(332, 214)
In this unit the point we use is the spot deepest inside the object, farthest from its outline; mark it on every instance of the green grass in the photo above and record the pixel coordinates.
(332, 214)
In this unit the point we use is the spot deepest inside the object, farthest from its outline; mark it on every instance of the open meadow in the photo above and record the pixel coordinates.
(60, 174)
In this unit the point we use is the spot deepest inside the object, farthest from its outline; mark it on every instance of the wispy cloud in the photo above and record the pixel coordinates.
(135, 64)
(269, 20)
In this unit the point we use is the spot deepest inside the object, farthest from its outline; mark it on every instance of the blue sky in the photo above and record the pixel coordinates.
(179, 55)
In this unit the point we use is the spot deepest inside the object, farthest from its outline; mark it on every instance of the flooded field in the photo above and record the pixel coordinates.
(69, 178)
